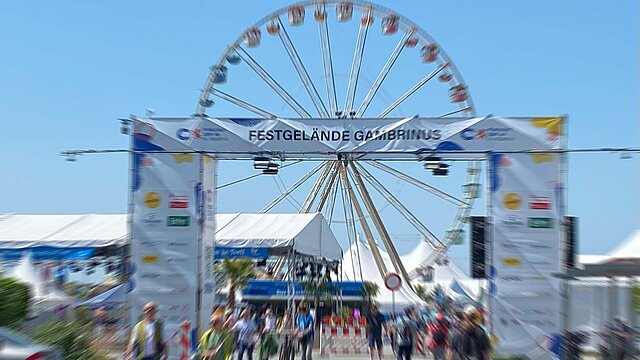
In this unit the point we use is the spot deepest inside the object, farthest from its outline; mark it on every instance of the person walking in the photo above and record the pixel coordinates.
(147, 338)
(246, 329)
(438, 337)
(469, 341)
(406, 331)
(622, 343)
(268, 343)
(305, 331)
(375, 324)
(215, 343)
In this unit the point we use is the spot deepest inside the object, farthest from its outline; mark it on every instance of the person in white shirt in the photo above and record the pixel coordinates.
(247, 329)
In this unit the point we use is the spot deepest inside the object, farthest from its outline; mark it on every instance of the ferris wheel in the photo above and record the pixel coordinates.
(339, 57)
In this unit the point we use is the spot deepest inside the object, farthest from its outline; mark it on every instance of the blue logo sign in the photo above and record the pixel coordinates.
(222, 252)
(183, 134)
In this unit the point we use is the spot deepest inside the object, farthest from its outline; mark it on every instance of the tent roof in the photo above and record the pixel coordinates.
(43, 295)
(65, 231)
(235, 230)
(629, 248)
(113, 296)
(307, 234)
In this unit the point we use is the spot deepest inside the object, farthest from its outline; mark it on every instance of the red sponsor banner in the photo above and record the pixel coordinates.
(178, 202)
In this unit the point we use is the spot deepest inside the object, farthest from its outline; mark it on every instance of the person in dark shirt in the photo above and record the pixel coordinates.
(470, 341)
(375, 323)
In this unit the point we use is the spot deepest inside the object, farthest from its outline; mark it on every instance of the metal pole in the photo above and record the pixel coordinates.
(393, 301)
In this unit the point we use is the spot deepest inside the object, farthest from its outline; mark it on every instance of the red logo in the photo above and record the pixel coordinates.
(539, 203)
(178, 202)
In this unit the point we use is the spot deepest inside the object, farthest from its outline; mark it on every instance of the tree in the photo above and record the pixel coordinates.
(636, 298)
(370, 291)
(73, 338)
(238, 272)
(15, 301)
(319, 289)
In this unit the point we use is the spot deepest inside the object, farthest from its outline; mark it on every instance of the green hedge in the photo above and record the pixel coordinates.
(636, 298)
(73, 338)
(15, 302)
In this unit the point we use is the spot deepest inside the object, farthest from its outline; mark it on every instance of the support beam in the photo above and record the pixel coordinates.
(382, 268)
(311, 198)
(329, 186)
(377, 221)
(291, 189)
(406, 213)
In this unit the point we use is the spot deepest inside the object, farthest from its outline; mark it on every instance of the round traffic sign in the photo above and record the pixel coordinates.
(392, 281)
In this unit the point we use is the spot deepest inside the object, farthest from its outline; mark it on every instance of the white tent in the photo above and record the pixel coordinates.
(307, 234)
(44, 296)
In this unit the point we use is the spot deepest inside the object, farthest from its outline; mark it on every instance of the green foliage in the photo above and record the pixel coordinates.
(238, 272)
(73, 338)
(15, 301)
(319, 289)
(346, 312)
(423, 294)
(370, 290)
(84, 316)
(636, 298)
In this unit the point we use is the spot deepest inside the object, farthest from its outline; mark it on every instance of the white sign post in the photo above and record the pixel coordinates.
(393, 282)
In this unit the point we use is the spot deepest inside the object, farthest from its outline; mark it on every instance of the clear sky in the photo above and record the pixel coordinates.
(68, 69)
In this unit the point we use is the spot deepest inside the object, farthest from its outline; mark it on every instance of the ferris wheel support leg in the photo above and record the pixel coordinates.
(382, 268)
(382, 75)
(313, 194)
(377, 221)
(412, 219)
(291, 189)
(328, 188)
(332, 199)
(351, 228)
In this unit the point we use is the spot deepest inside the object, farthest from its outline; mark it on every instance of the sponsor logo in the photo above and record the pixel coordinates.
(539, 202)
(178, 201)
(144, 131)
(510, 245)
(178, 221)
(540, 223)
(511, 201)
(540, 263)
(511, 261)
(512, 278)
(205, 133)
(512, 222)
(151, 243)
(152, 199)
(147, 161)
(175, 275)
(151, 220)
(149, 276)
(183, 158)
(150, 259)
(540, 246)
(177, 244)
(541, 158)
(505, 161)
(491, 133)
(178, 261)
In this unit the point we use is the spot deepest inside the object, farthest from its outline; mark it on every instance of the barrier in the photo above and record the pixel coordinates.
(184, 342)
(347, 339)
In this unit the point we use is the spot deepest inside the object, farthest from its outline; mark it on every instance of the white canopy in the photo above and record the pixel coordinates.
(64, 231)
(43, 295)
(307, 234)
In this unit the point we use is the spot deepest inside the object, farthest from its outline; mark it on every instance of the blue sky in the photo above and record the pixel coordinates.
(68, 69)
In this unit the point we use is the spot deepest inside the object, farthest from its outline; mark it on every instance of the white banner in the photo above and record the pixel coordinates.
(373, 138)
(526, 216)
(209, 181)
(164, 243)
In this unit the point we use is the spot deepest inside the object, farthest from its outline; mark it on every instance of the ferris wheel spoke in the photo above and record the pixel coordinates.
(332, 198)
(455, 112)
(406, 213)
(350, 228)
(328, 187)
(260, 71)
(410, 92)
(243, 104)
(301, 70)
(382, 75)
(356, 64)
(327, 62)
(377, 222)
(311, 198)
(291, 189)
(418, 183)
(355, 205)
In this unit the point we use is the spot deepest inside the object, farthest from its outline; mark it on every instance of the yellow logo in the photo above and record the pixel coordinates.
(553, 125)
(150, 259)
(512, 201)
(540, 158)
(152, 199)
(511, 261)
(182, 158)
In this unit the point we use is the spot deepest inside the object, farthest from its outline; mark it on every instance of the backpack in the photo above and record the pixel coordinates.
(438, 336)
